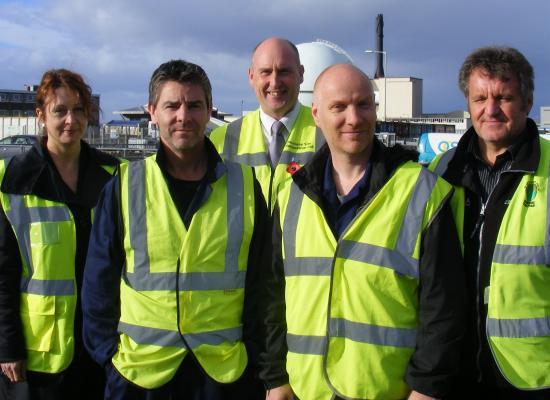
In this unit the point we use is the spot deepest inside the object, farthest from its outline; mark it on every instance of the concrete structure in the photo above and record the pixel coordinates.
(545, 117)
(315, 57)
(18, 126)
(134, 114)
(401, 98)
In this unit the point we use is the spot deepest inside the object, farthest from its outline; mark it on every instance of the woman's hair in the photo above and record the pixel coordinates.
(56, 78)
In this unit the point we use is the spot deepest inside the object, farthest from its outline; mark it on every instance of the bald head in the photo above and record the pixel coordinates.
(343, 107)
(276, 44)
(275, 74)
(338, 72)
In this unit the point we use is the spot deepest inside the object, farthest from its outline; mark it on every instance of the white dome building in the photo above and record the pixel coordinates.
(315, 57)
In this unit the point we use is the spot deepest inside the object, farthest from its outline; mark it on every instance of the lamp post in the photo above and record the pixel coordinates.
(384, 54)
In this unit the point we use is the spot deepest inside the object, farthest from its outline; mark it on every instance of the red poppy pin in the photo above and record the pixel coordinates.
(292, 167)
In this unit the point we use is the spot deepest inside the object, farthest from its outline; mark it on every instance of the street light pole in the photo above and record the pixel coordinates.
(384, 54)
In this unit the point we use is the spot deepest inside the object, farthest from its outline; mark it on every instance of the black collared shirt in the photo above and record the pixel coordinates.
(489, 175)
(183, 192)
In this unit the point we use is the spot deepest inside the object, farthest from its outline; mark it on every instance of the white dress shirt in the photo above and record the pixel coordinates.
(288, 120)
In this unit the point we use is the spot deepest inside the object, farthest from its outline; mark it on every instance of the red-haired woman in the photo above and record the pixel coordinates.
(47, 196)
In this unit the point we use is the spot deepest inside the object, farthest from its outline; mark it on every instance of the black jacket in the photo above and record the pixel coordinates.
(441, 294)
(34, 173)
(479, 365)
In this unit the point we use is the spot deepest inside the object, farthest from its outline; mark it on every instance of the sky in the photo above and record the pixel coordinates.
(116, 44)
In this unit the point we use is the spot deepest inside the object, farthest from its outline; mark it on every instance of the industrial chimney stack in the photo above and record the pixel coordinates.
(379, 46)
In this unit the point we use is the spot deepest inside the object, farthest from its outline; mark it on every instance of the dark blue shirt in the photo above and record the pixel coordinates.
(342, 211)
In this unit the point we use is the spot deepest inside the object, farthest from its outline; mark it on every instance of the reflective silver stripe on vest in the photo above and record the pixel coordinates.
(231, 144)
(142, 279)
(308, 266)
(21, 217)
(444, 160)
(231, 141)
(303, 344)
(319, 138)
(380, 256)
(138, 224)
(299, 266)
(300, 158)
(527, 255)
(48, 287)
(401, 259)
(518, 328)
(378, 335)
(166, 337)
(235, 217)
(188, 281)
(251, 159)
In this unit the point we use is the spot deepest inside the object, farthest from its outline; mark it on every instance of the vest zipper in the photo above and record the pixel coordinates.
(269, 191)
(178, 320)
(479, 227)
(360, 210)
(480, 223)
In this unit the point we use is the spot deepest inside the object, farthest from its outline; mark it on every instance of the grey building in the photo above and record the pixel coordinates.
(22, 103)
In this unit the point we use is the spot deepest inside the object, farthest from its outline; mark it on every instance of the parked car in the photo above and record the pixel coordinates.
(16, 144)
(20, 139)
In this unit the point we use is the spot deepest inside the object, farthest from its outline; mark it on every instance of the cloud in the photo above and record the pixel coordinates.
(117, 44)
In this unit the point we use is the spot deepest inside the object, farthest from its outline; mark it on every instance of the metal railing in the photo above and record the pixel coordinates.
(128, 152)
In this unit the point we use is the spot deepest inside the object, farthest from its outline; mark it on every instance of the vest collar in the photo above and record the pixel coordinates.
(384, 161)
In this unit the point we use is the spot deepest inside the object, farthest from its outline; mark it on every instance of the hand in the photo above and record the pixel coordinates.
(15, 371)
(280, 393)
(419, 396)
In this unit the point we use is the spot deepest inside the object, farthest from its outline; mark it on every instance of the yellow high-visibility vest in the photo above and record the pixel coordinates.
(518, 320)
(199, 271)
(243, 141)
(46, 235)
(352, 303)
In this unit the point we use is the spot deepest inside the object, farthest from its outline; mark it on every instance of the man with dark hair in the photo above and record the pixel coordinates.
(280, 135)
(500, 169)
(364, 299)
(180, 72)
(168, 294)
